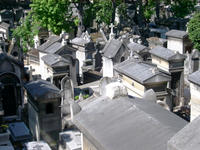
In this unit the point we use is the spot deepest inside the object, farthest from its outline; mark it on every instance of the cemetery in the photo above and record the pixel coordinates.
(99, 75)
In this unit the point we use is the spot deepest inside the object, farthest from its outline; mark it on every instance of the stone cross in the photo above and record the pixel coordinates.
(31, 73)
(112, 26)
(112, 35)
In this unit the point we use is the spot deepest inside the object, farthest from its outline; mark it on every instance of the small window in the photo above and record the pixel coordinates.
(49, 108)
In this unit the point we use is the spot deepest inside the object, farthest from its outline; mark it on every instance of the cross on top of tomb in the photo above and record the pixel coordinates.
(112, 35)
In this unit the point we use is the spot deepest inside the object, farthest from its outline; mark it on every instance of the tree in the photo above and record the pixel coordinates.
(25, 33)
(179, 8)
(194, 30)
(85, 14)
(105, 10)
(55, 15)
(182, 8)
(149, 8)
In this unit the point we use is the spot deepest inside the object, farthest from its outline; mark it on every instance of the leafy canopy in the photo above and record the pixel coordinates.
(25, 33)
(194, 30)
(104, 10)
(149, 9)
(182, 8)
(55, 15)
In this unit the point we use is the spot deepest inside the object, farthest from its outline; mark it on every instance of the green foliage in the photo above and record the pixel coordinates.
(76, 21)
(86, 96)
(104, 10)
(76, 97)
(194, 30)
(122, 10)
(149, 9)
(3, 128)
(182, 8)
(25, 33)
(89, 15)
(55, 15)
(179, 8)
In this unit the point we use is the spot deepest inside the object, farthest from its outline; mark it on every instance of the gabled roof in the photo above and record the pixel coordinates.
(83, 40)
(54, 48)
(42, 90)
(52, 39)
(141, 72)
(80, 41)
(136, 47)
(111, 48)
(177, 34)
(57, 47)
(166, 54)
(187, 138)
(195, 77)
(127, 123)
(54, 60)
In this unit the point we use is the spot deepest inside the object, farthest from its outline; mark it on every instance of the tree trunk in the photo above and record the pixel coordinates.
(158, 9)
(114, 9)
(81, 27)
(140, 15)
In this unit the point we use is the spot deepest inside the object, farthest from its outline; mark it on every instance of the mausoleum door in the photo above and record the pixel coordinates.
(10, 93)
(9, 100)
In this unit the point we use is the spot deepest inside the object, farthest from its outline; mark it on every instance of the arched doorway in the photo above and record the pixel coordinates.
(10, 93)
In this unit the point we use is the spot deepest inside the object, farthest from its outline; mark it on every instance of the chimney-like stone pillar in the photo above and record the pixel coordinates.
(176, 40)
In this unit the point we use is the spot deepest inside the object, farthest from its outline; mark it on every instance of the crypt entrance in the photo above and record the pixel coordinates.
(10, 94)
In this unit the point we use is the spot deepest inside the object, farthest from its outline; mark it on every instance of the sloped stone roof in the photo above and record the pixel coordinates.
(42, 90)
(111, 48)
(140, 71)
(52, 59)
(195, 77)
(166, 54)
(127, 123)
(177, 34)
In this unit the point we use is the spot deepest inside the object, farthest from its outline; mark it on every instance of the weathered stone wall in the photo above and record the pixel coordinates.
(195, 101)
(162, 64)
(52, 121)
(87, 145)
(134, 88)
(175, 44)
(33, 122)
(107, 67)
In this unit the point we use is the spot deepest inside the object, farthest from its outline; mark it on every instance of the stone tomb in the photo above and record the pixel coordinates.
(113, 53)
(178, 41)
(171, 63)
(44, 110)
(194, 79)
